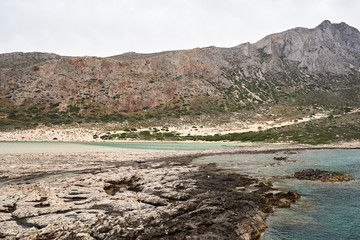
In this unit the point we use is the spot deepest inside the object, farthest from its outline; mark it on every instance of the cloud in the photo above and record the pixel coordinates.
(110, 27)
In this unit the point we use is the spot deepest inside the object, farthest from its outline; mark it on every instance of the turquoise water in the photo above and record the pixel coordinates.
(325, 211)
(185, 146)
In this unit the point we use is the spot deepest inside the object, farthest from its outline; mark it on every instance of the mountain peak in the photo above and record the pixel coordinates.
(324, 24)
(330, 47)
(327, 24)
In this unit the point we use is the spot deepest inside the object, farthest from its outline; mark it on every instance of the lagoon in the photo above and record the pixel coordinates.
(68, 147)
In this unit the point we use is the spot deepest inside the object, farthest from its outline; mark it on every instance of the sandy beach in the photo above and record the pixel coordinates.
(86, 133)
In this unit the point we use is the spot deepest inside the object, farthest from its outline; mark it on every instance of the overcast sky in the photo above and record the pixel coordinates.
(110, 27)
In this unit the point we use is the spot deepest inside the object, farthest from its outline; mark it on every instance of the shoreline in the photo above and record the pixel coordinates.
(193, 193)
(147, 188)
(77, 134)
(135, 155)
(246, 145)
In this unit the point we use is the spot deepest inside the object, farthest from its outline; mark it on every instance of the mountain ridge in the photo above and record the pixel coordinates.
(284, 68)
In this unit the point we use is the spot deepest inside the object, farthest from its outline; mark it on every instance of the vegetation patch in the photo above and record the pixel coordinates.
(322, 131)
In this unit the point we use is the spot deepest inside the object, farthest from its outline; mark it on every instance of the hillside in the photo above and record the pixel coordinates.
(305, 70)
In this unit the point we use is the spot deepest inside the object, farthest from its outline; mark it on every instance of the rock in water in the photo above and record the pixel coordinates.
(323, 176)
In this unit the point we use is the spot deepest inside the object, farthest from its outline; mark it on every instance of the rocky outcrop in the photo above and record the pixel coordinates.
(323, 176)
(327, 48)
(274, 198)
(282, 199)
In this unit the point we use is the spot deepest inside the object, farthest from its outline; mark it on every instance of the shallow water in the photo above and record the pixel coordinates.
(184, 146)
(77, 147)
(68, 147)
(43, 147)
(325, 211)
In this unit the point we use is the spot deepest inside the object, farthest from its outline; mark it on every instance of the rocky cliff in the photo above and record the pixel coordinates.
(282, 68)
(333, 48)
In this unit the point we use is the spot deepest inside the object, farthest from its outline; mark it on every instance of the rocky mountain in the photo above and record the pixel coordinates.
(319, 66)
(329, 47)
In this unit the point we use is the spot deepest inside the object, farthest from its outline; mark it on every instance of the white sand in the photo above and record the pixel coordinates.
(78, 134)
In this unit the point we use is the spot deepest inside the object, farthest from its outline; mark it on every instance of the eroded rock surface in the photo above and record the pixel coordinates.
(164, 199)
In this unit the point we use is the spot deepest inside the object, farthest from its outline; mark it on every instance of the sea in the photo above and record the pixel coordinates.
(325, 211)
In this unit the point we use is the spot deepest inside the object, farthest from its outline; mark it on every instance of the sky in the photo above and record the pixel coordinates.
(111, 27)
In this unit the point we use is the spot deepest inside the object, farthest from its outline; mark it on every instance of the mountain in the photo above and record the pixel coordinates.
(317, 67)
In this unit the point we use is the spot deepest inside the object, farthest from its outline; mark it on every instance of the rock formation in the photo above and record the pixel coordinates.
(323, 176)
